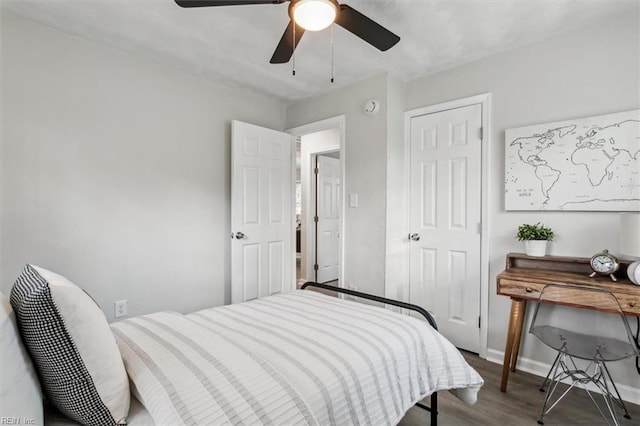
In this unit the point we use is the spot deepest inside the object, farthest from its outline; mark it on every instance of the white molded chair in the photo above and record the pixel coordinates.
(575, 347)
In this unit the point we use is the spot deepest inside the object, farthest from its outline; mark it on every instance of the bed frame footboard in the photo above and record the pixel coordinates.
(433, 409)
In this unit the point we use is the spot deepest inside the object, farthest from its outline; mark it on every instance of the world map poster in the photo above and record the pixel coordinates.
(586, 164)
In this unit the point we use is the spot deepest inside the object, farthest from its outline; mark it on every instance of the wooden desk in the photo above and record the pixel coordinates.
(524, 278)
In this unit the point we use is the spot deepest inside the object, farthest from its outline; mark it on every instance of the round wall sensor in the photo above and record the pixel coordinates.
(372, 107)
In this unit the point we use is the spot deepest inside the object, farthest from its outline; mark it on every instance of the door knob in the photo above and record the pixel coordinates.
(239, 235)
(414, 237)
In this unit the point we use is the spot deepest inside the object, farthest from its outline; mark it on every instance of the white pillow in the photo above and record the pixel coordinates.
(20, 395)
(76, 356)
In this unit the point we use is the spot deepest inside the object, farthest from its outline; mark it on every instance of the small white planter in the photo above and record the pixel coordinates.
(536, 248)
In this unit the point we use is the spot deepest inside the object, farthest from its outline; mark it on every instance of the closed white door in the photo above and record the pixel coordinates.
(261, 212)
(445, 214)
(328, 218)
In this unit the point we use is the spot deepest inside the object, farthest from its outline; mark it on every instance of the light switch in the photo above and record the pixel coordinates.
(353, 200)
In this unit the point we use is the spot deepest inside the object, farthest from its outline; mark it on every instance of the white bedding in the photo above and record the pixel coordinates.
(295, 358)
(138, 416)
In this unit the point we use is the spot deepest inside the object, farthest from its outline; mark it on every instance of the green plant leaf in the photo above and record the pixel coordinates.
(534, 232)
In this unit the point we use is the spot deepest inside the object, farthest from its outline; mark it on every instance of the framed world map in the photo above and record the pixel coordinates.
(586, 164)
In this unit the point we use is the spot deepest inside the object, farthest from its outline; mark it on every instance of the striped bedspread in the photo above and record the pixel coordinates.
(291, 359)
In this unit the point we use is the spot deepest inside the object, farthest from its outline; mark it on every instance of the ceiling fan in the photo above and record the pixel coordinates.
(313, 15)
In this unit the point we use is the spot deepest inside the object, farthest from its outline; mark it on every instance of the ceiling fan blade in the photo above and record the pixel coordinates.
(208, 3)
(285, 48)
(368, 30)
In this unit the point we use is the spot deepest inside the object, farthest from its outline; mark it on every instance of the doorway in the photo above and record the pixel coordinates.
(320, 140)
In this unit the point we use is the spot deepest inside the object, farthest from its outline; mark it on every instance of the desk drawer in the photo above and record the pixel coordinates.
(519, 289)
(630, 303)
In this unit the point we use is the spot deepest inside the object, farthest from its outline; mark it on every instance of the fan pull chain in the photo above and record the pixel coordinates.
(293, 54)
(332, 53)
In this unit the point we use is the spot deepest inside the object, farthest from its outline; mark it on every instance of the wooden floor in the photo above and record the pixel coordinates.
(520, 405)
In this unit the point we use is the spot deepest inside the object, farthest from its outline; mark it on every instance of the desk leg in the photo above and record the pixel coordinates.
(514, 334)
(518, 334)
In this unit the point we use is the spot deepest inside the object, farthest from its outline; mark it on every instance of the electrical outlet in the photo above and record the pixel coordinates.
(120, 308)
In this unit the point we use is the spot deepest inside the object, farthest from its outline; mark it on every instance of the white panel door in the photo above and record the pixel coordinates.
(261, 212)
(445, 216)
(328, 218)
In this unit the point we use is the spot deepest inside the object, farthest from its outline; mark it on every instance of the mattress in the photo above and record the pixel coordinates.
(294, 358)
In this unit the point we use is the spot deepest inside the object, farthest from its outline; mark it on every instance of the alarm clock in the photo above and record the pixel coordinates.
(604, 263)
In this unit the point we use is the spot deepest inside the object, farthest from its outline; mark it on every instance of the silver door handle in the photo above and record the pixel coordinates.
(240, 235)
(414, 237)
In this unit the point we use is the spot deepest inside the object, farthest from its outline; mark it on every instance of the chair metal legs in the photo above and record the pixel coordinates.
(615, 398)
(543, 388)
(596, 373)
(551, 383)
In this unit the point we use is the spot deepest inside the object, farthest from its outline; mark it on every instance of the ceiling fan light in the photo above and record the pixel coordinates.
(314, 15)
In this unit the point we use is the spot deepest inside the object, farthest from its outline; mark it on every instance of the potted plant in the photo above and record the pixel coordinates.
(535, 238)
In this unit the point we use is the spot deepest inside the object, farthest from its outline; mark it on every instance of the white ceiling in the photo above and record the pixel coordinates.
(233, 44)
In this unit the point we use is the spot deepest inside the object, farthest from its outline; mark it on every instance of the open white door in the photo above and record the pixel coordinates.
(328, 218)
(445, 215)
(261, 212)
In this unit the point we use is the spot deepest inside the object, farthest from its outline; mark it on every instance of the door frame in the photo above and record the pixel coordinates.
(309, 251)
(484, 100)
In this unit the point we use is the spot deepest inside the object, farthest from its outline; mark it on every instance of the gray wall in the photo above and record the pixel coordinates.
(365, 174)
(397, 226)
(116, 171)
(588, 72)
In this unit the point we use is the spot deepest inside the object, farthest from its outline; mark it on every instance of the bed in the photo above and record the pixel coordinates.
(295, 358)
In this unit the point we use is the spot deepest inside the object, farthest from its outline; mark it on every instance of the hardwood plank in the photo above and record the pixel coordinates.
(520, 405)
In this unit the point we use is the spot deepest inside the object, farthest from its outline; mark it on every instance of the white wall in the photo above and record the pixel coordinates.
(587, 72)
(365, 174)
(116, 171)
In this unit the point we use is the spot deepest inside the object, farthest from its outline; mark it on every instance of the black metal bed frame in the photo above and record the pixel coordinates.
(433, 410)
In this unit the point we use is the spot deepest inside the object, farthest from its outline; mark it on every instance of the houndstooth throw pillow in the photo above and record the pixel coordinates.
(72, 346)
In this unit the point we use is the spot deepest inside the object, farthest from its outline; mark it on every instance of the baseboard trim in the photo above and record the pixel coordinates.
(541, 369)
